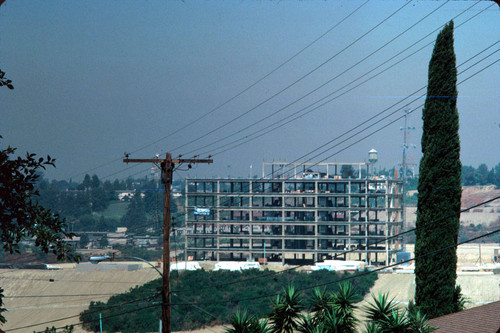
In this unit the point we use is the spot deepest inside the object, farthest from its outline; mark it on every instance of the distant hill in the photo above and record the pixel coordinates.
(473, 195)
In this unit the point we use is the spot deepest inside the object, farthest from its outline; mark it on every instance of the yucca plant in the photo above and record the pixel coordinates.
(242, 323)
(372, 327)
(309, 325)
(344, 299)
(419, 322)
(321, 304)
(286, 311)
(261, 326)
(396, 322)
(380, 308)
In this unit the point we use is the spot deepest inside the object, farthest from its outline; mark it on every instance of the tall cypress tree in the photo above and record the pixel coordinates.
(439, 188)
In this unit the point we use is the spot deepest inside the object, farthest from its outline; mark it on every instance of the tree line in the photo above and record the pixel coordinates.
(85, 204)
(481, 175)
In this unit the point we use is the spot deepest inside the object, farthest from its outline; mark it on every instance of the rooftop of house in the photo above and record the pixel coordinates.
(481, 319)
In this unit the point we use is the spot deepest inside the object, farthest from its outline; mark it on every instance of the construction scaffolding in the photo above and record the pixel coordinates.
(308, 217)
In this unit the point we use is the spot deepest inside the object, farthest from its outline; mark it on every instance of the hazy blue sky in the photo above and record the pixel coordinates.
(95, 79)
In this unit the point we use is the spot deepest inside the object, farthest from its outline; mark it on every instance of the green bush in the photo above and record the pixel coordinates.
(217, 296)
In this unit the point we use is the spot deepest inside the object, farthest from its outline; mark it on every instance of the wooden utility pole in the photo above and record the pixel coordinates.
(167, 168)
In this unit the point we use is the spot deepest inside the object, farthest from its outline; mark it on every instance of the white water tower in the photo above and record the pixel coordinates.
(372, 156)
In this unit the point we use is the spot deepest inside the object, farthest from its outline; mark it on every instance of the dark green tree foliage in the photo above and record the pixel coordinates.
(53, 329)
(20, 214)
(347, 171)
(439, 185)
(207, 289)
(136, 213)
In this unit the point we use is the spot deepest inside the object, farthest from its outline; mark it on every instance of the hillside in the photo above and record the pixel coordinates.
(39, 296)
(487, 215)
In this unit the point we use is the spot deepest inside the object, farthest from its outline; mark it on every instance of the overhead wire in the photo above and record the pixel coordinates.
(235, 96)
(373, 117)
(258, 81)
(301, 112)
(481, 70)
(352, 276)
(78, 315)
(345, 48)
(248, 126)
(383, 111)
(396, 119)
(293, 83)
(407, 104)
(41, 305)
(461, 242)
(364, 74)
(393, 121)
(337, 90)
(53, 280)
(378, 121)
(318, 285)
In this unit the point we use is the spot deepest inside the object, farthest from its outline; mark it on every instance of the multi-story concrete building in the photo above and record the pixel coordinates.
(298, 218)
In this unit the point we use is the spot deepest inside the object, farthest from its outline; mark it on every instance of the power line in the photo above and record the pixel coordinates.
(256, 82)
(300, 289)
(348, 83)
(353, 276)
(245, 138)
(349, 277)
(380, 120)
(495, 62)
(235, 96)
(385, 117)
(388, 266)
(56, 303)
(331, 80)
(374, 132)
(373, 117)
(393, 121)
(293, 83)
(63, 295)
(52, 280)
(383, 127)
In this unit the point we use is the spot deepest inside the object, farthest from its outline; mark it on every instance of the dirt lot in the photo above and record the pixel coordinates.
(468, 254)
(485, 215)
(29, 301)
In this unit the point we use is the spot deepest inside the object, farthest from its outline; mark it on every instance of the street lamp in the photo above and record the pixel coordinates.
(98, 259)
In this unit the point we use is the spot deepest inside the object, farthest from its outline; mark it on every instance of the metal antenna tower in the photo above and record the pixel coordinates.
(404, 166)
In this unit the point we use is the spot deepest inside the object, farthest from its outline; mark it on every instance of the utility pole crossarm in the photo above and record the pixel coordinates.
(163, 160)
(192, 160)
